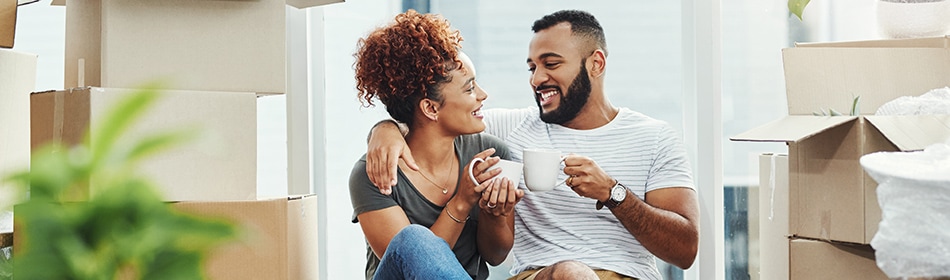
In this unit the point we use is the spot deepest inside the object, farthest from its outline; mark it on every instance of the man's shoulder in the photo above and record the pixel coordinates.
(511, 114)
(627, 116)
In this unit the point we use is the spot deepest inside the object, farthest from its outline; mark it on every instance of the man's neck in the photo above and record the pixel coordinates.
(596, 113)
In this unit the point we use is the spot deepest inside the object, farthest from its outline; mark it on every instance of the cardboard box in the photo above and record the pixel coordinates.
(193, 44)
(282, 242)
(219, 165)
(7, 22)
(773, 217)
(300, 4)
(6, 239)
(279, 242)
(17, 80)
(830, 195)
(811, 259)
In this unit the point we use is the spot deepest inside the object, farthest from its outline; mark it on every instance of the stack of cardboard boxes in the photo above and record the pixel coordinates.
(212, 60)
(17, 80)
(818, 208)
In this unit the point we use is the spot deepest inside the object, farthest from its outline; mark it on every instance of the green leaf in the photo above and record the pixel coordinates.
(154, 144)
(797, 7)
(856, 106)
(117, 120)
(123, 230)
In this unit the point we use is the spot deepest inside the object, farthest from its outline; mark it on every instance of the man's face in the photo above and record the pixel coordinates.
(559, 76)
(571, 103)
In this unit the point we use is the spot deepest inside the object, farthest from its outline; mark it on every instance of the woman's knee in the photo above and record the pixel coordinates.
(414, 237)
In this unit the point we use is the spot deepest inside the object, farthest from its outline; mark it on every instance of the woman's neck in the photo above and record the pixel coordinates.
(431, 149)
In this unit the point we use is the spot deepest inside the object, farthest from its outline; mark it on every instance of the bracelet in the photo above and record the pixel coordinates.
(456, 219)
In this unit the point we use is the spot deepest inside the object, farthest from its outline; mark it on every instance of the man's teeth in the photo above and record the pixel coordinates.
(546, 95)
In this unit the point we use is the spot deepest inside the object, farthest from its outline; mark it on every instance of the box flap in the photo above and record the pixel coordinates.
(791, 128)
(822, 78)
(929, 42)
(7, 22)
(913, 133)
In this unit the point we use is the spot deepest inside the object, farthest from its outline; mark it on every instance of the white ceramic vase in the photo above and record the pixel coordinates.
(913, 18)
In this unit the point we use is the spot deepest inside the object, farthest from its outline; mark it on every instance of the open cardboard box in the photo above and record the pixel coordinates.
(830, 195)
(220, 164)
(192, 44)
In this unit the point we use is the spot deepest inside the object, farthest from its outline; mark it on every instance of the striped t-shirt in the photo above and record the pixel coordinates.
(643, 153)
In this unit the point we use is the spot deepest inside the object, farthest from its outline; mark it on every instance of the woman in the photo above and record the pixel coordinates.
(415, 67)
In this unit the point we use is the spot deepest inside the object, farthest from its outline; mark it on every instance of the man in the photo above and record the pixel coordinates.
(634, 165)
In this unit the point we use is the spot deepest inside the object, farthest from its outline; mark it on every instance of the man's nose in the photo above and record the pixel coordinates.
(538, 77)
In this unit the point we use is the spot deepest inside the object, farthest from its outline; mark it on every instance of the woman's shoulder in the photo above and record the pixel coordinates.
(471, 144)
(480, 140)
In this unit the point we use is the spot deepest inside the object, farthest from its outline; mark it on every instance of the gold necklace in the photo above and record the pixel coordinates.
(444, 190)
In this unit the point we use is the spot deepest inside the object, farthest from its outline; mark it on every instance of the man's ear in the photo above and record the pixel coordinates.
(429, 108)
(597, 63)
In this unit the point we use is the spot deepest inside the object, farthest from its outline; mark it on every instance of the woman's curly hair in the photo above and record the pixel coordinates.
(404, 62)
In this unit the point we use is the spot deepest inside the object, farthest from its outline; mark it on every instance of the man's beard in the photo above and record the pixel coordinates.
(571, 102)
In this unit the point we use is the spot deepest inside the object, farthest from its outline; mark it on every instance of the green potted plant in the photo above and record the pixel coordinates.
(796, 7)
(124, 230)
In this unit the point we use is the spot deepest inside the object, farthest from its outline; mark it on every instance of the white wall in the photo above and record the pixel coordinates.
(347, 125)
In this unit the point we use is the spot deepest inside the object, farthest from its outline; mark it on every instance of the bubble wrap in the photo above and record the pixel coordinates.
(934, 102)
(913, 238)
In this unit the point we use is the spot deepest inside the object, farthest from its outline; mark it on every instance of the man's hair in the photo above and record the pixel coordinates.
(405, 61)
(583, 24)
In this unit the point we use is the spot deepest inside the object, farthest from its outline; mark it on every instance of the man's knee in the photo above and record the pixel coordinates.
(568, 269)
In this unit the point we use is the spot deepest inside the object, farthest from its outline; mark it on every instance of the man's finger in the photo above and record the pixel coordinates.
(372, 170)
(386, 181)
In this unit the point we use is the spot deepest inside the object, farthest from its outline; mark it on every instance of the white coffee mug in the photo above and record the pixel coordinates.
(509, 169)
(541, 168)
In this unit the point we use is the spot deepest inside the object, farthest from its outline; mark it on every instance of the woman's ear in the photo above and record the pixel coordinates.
(429, 108)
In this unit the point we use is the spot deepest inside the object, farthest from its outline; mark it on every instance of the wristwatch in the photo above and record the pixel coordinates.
(617, 194)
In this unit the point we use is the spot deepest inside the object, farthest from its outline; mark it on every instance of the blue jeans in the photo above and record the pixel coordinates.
(416, 253)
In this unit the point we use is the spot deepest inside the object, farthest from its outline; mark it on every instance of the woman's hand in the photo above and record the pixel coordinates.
(500, 197)
(471, 191)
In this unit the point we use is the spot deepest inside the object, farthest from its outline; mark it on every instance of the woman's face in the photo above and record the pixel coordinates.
(462, 98)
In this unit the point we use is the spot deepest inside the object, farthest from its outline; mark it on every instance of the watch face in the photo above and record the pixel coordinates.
(618, 193)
